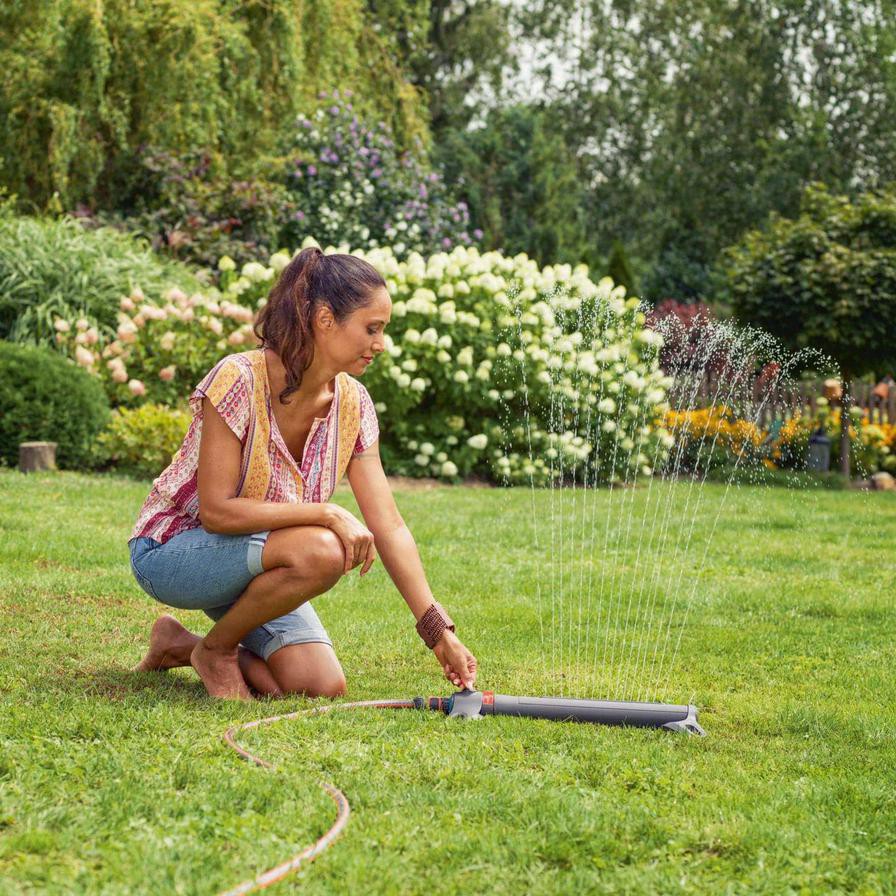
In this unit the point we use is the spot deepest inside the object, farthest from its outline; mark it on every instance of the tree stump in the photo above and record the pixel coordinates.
(35, 456)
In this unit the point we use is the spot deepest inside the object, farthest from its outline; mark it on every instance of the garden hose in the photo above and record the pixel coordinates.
(309, 853)
(461, 704)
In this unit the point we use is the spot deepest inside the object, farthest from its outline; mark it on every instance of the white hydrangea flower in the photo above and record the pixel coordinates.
(607, 406)
(461, 376)
(443, 357)
(449, 469)
(427, 448)
(478, 441)
(404, 381)
(418, 384)
(421, 460)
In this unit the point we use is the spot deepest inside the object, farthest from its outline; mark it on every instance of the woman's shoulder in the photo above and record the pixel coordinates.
(245, 363)
(352, 383)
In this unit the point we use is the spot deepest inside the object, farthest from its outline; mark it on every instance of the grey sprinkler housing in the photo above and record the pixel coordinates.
(476, 704)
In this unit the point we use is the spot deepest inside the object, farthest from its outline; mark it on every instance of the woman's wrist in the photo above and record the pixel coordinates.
(433, 624)
(329, 515)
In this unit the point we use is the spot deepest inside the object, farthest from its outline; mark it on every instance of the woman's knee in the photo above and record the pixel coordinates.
(312, 670)
(312, 550)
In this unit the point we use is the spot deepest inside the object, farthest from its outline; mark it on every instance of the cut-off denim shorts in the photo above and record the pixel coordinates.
(199, 570)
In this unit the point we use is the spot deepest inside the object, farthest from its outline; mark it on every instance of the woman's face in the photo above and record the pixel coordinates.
(352, 344)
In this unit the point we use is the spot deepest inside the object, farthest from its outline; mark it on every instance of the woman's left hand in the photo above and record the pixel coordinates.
(458, 664)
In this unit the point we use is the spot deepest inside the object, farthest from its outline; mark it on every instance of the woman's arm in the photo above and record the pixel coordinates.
(398, 550)
(217, 479)
(392, 538)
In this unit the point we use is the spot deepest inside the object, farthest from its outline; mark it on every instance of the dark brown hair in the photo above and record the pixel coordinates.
(342, 282)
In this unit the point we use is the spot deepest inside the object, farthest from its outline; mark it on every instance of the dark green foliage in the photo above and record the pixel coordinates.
(618, 269)
(524, 186)
(825, 280)
(45, 397)
(191, 210)
(57, 268)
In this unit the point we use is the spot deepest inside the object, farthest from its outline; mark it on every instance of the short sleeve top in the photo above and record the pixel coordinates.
(238, 388)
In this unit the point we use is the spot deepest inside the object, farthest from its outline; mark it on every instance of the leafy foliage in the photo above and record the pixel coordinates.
(143, 440)
(826, 279)
(191, 210)
(46, 397)
(524, 186)
(57, 269)
(86, 85)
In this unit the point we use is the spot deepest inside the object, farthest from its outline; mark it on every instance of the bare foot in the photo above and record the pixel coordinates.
(170, 645)
(220, 672)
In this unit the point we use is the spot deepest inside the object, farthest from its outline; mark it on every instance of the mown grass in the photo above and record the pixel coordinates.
(114, 782)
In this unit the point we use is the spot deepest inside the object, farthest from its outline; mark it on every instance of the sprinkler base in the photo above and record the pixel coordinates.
(476, 704)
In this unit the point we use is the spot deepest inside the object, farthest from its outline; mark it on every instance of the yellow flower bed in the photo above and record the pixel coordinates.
(715, 425)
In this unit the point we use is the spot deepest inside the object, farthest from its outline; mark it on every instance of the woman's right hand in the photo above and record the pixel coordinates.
(357, 540)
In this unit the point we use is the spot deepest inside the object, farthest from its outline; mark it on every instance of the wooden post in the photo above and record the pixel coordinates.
(35, 456)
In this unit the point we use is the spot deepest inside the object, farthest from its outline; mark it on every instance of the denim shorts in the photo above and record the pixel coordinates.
(199, 570)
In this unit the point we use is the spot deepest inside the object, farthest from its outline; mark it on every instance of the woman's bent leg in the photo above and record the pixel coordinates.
(306, 561)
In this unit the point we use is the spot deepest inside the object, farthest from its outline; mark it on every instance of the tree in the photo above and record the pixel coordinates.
(693, 121)
(825, 280)
(86, 84)
(527, 191)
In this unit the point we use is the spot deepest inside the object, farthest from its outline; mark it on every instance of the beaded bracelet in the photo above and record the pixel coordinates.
(433, 623)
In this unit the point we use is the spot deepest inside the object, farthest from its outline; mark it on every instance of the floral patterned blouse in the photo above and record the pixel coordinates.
(238, 388)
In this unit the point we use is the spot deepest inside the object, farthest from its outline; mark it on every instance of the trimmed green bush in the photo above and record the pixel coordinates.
(45, 397)
(53, 268)
(143, 440)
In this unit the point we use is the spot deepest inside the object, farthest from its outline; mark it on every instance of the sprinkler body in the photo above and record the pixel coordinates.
(476, 704)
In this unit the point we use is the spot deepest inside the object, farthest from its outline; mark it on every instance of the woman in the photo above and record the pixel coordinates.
(239, 524)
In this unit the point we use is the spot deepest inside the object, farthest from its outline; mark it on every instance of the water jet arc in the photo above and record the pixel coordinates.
(477, 704)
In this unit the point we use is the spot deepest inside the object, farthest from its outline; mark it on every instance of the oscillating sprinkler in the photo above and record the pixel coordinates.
(476, 704)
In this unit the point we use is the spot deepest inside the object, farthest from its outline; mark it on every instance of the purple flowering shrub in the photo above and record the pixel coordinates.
(352, 185)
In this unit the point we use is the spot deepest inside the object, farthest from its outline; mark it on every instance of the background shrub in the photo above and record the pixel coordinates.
(353, 184)
(46, 397)
(56, 268)
(191, 210)
(478, 344)
(142, 441)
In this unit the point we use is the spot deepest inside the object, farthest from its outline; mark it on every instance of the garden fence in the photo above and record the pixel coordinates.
(783, 402)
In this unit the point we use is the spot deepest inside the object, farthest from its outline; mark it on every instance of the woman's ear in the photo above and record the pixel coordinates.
(323, 316)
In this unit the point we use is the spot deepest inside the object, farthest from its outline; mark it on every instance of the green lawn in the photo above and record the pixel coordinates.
(112, 782)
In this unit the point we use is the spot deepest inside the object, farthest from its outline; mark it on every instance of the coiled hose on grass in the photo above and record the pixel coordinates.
(309, 853)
